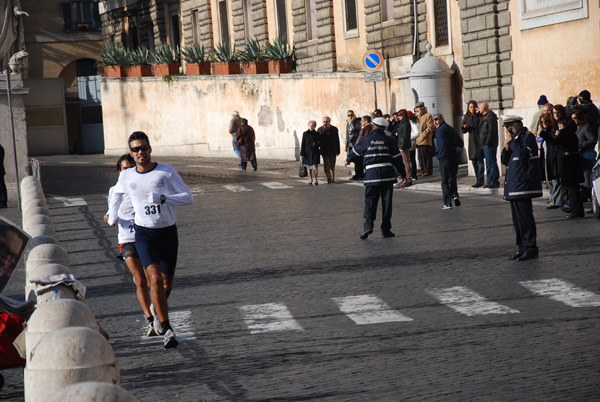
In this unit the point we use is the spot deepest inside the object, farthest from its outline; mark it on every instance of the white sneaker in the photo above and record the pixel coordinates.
(151, 331)
(447, 207)
(169, 339)
(157, 327)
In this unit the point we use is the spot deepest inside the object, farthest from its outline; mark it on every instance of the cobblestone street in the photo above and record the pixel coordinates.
(276, 297)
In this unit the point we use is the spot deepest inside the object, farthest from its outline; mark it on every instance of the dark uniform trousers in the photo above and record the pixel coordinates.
(524, 224)
(384, 191)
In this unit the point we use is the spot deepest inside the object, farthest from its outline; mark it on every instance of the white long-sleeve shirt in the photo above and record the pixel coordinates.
(163, 179)
(126, 215)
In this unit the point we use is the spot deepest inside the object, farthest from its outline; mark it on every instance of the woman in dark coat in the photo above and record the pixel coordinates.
(565, 138)
(310, 152)
(245, 143)
(471, 124)
(587, 142)
(404, 144)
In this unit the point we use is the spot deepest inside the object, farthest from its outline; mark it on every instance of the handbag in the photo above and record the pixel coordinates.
(302, 172)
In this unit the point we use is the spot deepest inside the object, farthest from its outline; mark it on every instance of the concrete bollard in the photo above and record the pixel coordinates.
(29, 193)
(64, 292)
(68, 356)
(31, 220)
(41, 230)
(92, 391)
(54, 315)
(44, 254)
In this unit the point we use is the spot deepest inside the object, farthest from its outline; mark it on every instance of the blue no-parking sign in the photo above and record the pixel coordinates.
(373, 60)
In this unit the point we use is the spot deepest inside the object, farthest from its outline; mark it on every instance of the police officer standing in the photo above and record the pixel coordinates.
(380, 154)
(523, 182)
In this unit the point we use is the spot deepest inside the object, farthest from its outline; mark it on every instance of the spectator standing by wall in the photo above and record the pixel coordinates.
(425, 140)
(309, 151)
(330, 147)
(489, 140)
(471, 124)
(234, 126)
(245, 141)
(353, 127)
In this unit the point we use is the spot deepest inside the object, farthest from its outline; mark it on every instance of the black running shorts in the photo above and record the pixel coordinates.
(158, 246)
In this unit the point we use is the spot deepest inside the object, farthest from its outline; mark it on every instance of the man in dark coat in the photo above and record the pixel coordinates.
(446, 145)
(330, 147)
(245, 141)
(380, 154)
(3, 192)
(471, 124)
(489, 139)
(570, 172)
(352, 131)
(520, 155)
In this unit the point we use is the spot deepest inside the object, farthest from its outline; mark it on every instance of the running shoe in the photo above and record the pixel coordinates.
(151, 331)
(157, 327)
(169, 339)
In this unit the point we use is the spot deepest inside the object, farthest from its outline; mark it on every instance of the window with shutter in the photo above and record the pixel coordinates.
(440, 10)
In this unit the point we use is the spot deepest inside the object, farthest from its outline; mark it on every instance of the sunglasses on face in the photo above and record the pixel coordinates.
(6, 253)
(135, 150)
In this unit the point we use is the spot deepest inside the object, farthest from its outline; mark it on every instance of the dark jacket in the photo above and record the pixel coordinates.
(246, 147)
(403, 129)
(587, 138)
(568, 149)
(352, 131)
(380, 154)
(473, 122)
(330, 140)
(489, 130)
(445, 141)
(309, 148)
(522, 178)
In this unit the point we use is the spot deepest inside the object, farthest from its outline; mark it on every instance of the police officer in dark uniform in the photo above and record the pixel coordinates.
(523, 182)
(380, 154)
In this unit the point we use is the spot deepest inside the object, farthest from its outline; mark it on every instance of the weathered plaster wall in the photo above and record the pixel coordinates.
(190, 115)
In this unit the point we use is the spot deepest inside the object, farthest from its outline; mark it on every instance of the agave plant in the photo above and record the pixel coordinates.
(164, 54)
(195, 54)
(252, 52)
(278, 50)
(224, 53)
(139, 57)
(113, 55)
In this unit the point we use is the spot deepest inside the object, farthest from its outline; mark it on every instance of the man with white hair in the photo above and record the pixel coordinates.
(380, 154)
(234, 125)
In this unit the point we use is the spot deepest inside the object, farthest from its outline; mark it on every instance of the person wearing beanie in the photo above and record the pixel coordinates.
(535, 120)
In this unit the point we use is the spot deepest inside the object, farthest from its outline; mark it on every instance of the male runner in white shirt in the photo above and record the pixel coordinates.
(155, 190)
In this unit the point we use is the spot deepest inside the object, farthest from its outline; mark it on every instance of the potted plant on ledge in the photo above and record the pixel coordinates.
(165, 61)
(139, 63)
(114, 59)
(280, 57)
(225, 59)
(196, 60)
(254, 58)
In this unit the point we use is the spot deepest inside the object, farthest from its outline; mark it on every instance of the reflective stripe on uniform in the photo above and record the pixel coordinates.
(525, 192)
(374, 155)
(379, 180)
(376, 165)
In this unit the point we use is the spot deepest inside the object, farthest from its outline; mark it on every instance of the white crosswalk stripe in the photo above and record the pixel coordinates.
(368, 309)
(71, 202)
(236, 188)
(274, 185)
(467, 302)
(563, 291)
(270, 317)
(181, 321)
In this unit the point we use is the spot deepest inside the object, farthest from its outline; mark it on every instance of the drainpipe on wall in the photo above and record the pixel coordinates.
(416, 51)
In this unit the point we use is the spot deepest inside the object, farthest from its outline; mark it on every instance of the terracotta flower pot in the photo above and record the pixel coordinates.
(280, 66)
(228, 67)
(259, 67)
(166, 69)
(114, 71)
(197, 69)
(139, 71)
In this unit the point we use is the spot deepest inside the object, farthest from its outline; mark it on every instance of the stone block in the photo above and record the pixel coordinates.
(506, 80)
(491, 21)
(504, 44)
(470, 61)
(403, 30)
(372, 3)
(462, 4)
(505, 31)
(494, 93)
(504, 19)
(488, 33)
(465, 14)
(478, 48)
(479, 71)
(475, 3)
(476, 24)
(492, 45)
(464, 27)
(372, 19)
(486, 10)
(489, 82)
(480, 93)
(489, 58)
(506, 68)
(466, 73)
(403, 11)
(374, 37)
(508, 92)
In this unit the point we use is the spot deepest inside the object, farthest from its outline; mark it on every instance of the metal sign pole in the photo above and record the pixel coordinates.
(375, 93)
(12, 124)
